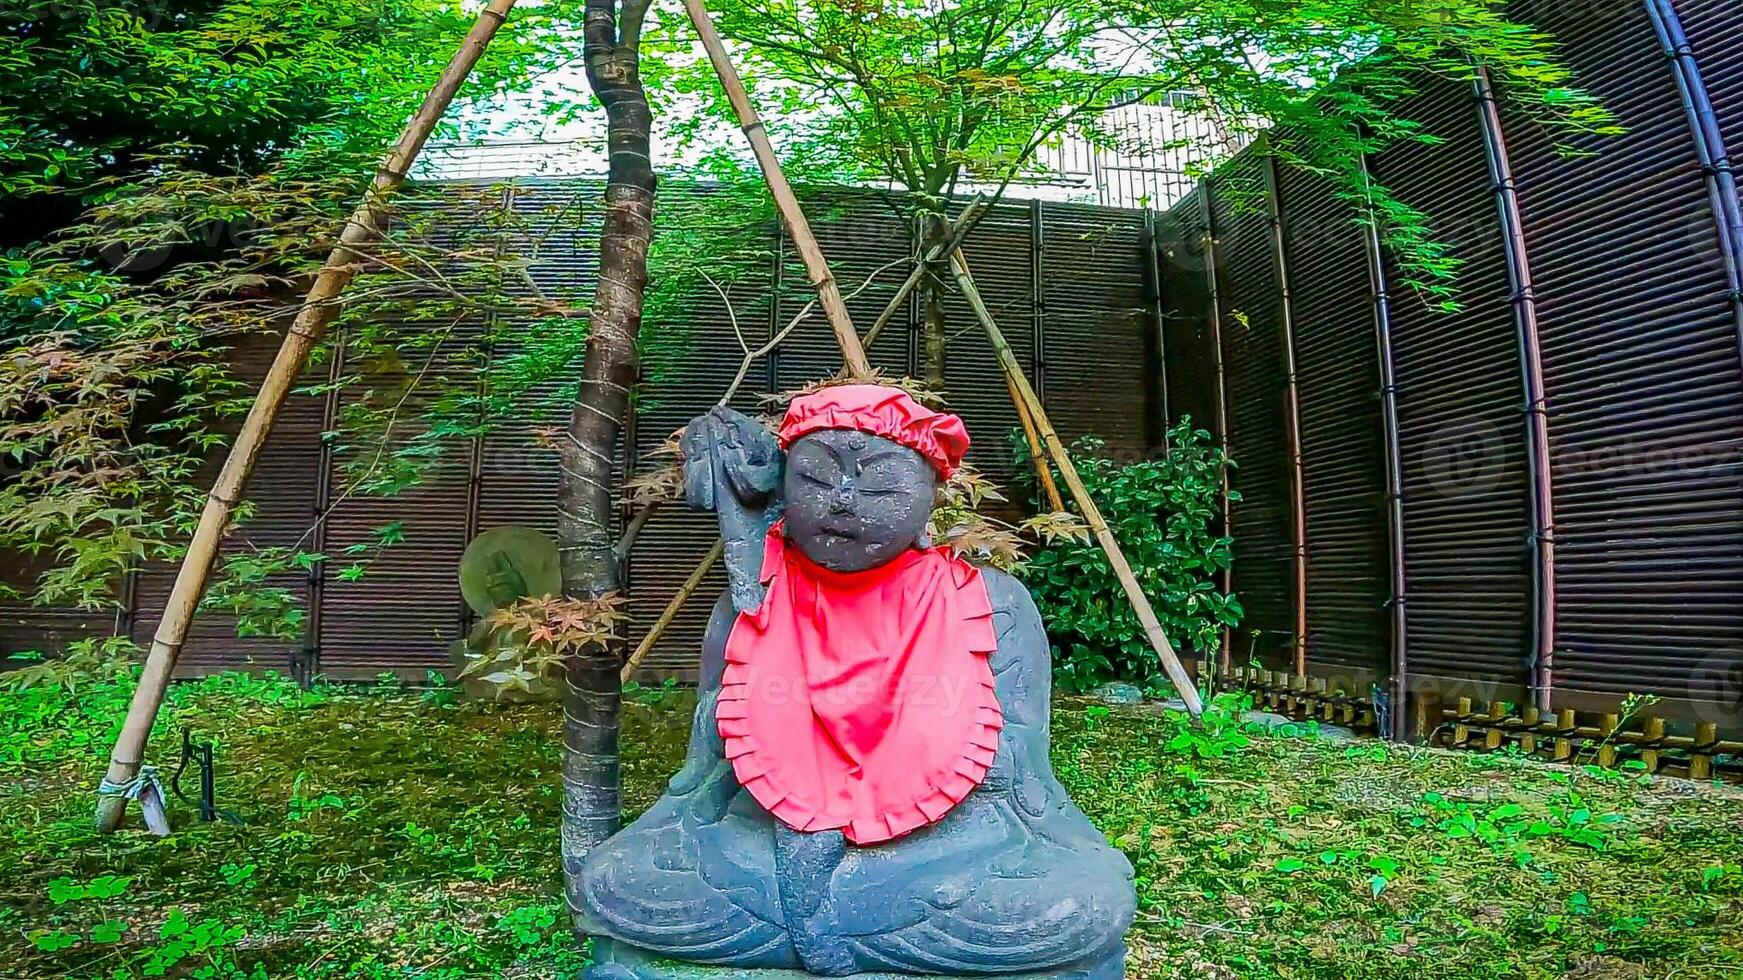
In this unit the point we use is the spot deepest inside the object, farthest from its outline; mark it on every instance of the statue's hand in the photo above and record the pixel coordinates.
(732, 466)
(728, 452)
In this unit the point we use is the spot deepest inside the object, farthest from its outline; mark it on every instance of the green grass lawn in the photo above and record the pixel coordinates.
(396, 833)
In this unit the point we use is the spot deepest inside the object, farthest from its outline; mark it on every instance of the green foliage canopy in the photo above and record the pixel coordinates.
(126, 338)
(96, 92)
(1325, 84)
(926, 93)
(922, 92)
(173, 172)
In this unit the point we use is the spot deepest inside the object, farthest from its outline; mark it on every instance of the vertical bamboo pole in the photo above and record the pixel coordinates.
(1091, 514)
(816, 267)
(777, 281)
(308, 664)
(1038, 294)
(318, 310)
(481, 393)
(1292, 415)
(1542, 500)
(1400, 625)
(1153, 235)
(1222, 388)
(911, 365)
(127, 609)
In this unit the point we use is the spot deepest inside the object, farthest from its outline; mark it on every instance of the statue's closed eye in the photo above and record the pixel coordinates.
(815, 474)
(885, 473)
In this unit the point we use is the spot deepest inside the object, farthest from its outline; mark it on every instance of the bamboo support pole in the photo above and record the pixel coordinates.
(1164, 417)
(816, 267)
(1091, 514)
(1038, 296)
(319, 309)
(1537, 453)
(1214, 281)
(1037, 455)
(959, 230)
(685, 591)
(1292, 417)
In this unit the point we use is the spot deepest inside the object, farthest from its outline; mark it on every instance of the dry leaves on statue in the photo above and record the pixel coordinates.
(957, 521)
(653, 487)
(917, 389)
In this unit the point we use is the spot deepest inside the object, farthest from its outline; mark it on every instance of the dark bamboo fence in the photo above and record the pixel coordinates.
(1072, 275)
(1518, 514)
(1488, 526)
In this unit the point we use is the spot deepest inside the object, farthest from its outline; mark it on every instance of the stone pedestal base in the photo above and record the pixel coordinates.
(616, 961)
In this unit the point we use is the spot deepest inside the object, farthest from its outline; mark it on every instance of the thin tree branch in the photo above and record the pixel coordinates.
(753, 356)
(731, 314)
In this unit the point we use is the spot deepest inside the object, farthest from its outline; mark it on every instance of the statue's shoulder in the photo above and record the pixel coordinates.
(1008, 594)
(1017, 621)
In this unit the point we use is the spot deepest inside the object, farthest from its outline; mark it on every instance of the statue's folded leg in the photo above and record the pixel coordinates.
(646, 887)
(1007, 924)
(995, 897)
(616, 961)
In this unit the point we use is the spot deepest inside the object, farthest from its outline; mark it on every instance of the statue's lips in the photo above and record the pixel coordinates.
(842, 533)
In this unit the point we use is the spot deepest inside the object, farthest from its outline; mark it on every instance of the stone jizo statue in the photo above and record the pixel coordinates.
(867, 791)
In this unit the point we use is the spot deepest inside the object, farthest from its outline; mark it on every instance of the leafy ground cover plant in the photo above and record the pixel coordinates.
(394, 832)
(1164, 512)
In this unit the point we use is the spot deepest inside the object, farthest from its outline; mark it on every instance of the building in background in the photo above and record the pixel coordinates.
(1157, 151)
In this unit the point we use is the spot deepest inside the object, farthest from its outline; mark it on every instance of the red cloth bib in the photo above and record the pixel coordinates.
(862, 701)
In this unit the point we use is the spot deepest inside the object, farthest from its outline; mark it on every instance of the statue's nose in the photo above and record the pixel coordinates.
(841, 501)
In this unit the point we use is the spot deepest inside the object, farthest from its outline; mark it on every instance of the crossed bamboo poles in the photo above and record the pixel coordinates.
(319, 309)
(123, 780)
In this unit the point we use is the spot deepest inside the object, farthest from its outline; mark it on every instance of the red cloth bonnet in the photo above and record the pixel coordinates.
(880, 411)
(864, 701)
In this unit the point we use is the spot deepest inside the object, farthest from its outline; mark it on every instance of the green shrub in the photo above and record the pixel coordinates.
(1165, 513)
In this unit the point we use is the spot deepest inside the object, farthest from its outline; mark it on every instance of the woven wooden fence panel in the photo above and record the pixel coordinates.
(1639, 323)
(1064, 279)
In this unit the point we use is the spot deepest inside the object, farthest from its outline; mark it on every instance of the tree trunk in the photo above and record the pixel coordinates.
(591, 794)
(934, 335)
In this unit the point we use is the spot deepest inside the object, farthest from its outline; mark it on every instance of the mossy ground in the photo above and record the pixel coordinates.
(396, 833)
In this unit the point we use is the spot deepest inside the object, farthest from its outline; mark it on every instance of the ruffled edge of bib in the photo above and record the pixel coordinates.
(945, 790)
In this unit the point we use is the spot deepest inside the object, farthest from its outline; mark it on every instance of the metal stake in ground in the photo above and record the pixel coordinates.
(1091, 514)
(318, 310)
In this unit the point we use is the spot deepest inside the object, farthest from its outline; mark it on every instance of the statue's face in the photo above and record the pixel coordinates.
(855, 501)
